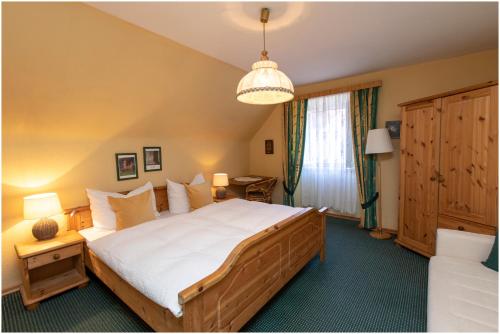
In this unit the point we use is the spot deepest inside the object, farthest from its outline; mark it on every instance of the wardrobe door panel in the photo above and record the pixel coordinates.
(469, 154)
(419, 170)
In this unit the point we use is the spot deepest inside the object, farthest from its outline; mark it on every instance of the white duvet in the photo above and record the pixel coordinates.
(162, 257)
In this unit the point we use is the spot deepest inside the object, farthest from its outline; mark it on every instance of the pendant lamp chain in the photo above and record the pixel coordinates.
(264, 34)
(264, 17)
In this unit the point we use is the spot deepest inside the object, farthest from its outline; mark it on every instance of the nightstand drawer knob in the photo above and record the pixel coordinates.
(56, 256)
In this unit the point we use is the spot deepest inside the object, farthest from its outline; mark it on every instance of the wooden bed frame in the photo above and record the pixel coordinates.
(225, 300)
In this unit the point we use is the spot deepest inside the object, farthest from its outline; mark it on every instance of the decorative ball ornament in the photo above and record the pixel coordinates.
(45, 229)
(220, 193)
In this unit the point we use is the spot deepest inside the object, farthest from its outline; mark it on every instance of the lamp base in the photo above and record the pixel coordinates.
(220, 193)
(45, 229)
(379, 234)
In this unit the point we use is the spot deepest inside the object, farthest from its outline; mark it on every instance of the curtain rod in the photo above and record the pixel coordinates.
(338, 90)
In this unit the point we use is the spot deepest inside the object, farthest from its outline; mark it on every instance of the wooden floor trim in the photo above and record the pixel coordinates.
(389, 230)
(10, 290)
(339, 215)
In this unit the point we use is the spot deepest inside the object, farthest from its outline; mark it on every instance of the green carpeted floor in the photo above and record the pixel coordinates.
(365, 285)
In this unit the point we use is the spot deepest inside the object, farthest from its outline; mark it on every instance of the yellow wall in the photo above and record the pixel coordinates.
(269, 164)
(80, 85)
(399, 85)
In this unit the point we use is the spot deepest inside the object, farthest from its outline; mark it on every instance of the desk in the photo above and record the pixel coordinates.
(239, 187)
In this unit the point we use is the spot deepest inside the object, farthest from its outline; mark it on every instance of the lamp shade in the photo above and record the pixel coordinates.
(378, 141)
(41, 206)
(220, 180)
(265, 84)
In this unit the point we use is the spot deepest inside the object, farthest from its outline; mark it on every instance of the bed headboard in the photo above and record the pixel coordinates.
(81, 217)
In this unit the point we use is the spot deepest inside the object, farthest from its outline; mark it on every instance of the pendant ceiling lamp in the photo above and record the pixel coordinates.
(265, 84)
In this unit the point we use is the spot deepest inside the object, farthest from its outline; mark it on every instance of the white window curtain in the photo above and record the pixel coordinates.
(328, 173)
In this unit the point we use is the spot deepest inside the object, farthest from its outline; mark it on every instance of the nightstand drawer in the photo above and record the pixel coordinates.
(56, 255)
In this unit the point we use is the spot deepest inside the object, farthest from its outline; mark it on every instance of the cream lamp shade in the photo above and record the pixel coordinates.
(220, 180)
(378, 141)
(265, 84)
(41, 206)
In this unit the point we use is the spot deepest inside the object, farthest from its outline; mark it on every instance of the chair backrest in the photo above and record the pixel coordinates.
(266, 187)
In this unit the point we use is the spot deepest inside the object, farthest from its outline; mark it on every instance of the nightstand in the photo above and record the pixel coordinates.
(50, 267)
(228, 197)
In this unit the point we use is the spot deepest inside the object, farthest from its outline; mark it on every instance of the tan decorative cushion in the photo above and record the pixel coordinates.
(199, 195)
(131, 211)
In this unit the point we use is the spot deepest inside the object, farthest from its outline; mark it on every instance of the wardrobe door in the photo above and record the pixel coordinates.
(468, 180)
(418, 179)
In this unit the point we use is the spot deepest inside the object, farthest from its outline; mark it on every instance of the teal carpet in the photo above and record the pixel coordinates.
(365, 285)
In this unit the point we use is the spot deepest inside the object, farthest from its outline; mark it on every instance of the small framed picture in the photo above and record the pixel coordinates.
(394, 128)
(269, 145)
(152, 159)
(126, 166)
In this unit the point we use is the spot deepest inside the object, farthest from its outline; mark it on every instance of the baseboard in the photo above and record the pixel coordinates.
(389, 230)
(10, 290)
(339, 215)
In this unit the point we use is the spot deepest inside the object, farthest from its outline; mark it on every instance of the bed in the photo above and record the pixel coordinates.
(254, 270)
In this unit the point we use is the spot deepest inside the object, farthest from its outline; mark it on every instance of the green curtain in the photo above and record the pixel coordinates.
(364, 118)
(293, 150)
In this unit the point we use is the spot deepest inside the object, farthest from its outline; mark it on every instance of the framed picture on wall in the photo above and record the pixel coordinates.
(269, 146)
(152, 159)
(394, 128)
(126, 166)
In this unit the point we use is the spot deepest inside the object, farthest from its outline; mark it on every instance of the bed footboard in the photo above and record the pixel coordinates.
(253, 273)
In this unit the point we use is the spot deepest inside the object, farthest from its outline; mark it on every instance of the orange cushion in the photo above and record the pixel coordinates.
(199, 195)
(131, 211)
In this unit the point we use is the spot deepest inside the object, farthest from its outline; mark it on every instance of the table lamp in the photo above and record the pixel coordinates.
(41, 207)
(220, 181)
(378, 142)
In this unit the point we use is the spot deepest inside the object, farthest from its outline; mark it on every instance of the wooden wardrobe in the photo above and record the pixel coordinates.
(449, 165)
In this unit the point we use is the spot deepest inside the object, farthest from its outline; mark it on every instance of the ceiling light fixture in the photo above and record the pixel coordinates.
(265, 84)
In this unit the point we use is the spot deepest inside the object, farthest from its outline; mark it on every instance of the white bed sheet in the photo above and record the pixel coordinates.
(161, 258)
(94, 233)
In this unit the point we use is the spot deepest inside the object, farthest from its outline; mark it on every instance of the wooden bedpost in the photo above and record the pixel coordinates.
(193, 315)
(322, 251)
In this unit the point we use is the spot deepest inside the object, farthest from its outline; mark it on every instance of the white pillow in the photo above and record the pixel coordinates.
(103, 216)
(178, 201)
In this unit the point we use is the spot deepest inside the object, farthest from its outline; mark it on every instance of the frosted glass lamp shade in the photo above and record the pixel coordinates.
(265, 84)
(220, 180)
(378, 141)
(41, 206)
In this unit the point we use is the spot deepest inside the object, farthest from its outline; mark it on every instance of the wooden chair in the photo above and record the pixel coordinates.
(261, 191)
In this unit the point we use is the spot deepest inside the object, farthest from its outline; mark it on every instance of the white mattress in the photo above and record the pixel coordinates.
(161, 258)
(463, 296)
(94, 233)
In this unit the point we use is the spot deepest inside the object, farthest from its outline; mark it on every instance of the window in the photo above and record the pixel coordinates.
(328, 173)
